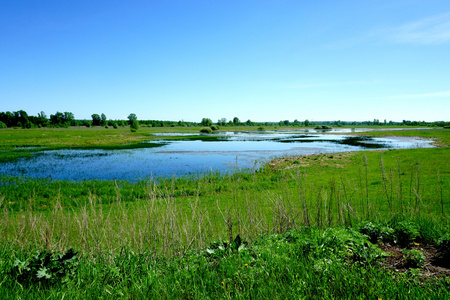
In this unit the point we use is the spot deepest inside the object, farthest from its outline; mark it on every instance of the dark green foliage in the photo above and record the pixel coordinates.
(44, 267)
(96, 120)
(219, 249)
(323, 127)
(62, 119)
(134, 125)
(377, 232)
(205, 130)
(206, 122)
(103, 120)
(414, 258)
(406, 232)
(214, 127)
(132, 117)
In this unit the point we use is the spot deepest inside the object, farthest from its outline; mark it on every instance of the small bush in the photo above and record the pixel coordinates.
(134, 125)
(214, 127)
(414, 258)
(406, 232)
(376, 232)
(205, 130)
(261, 128)
(44, 267)
(2, 125)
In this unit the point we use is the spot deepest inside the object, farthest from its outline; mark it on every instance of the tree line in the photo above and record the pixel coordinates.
(20, 119)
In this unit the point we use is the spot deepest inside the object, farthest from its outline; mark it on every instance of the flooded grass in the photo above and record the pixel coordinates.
(174, 155)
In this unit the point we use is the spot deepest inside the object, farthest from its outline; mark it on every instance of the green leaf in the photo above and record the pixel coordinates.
(43, 273)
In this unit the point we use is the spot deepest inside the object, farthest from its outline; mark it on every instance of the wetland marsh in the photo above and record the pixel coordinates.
(181, 154)
(345, 207)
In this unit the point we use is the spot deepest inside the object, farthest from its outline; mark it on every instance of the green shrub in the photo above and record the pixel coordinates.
(205, 130)
(2, 125)
(376, 232)
(214, 127)
(261, 128)
(414, 258)
(134, 126)
(406, 232)
(44, 267)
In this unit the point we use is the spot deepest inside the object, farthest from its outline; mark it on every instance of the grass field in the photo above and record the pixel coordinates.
(309, 227)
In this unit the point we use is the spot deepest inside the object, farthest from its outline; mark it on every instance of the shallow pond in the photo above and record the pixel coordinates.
(196, 154)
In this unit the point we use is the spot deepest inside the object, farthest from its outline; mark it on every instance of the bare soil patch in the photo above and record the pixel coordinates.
(433, 267)
(337, 160)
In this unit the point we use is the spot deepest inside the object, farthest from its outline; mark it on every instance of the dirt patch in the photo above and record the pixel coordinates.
(337, 160)
(433, 266)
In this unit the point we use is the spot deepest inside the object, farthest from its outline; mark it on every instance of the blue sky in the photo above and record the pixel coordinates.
(265, 60)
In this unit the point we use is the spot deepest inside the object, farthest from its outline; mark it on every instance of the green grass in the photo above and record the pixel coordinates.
(301, 218)
(306, 263)
(439, 135)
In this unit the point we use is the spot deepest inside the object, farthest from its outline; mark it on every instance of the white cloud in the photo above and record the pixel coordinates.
(431, 30)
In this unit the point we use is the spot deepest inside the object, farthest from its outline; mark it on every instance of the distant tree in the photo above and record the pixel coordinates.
(306, 122)
(206, 122)
(236, 121)
(96, 120)
(249, 123)
(103, 121)
(222, 122)
(132, 117)
(68, 116)
(20, 117)
(286, 123)
(7, 118)
(134, 125)
(41, 119)
(57, 119)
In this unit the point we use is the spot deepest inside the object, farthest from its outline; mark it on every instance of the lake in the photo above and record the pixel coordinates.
(225, 152)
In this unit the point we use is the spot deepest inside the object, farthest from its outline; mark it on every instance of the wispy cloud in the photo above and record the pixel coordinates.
(431, 30)
(441, 94)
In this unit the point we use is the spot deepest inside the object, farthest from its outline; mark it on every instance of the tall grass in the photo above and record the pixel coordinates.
(172, 238)
(174, 216)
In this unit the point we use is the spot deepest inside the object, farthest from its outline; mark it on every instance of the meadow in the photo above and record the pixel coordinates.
(358, 225)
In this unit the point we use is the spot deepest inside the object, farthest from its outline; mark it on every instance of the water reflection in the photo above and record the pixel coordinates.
(227, 152)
